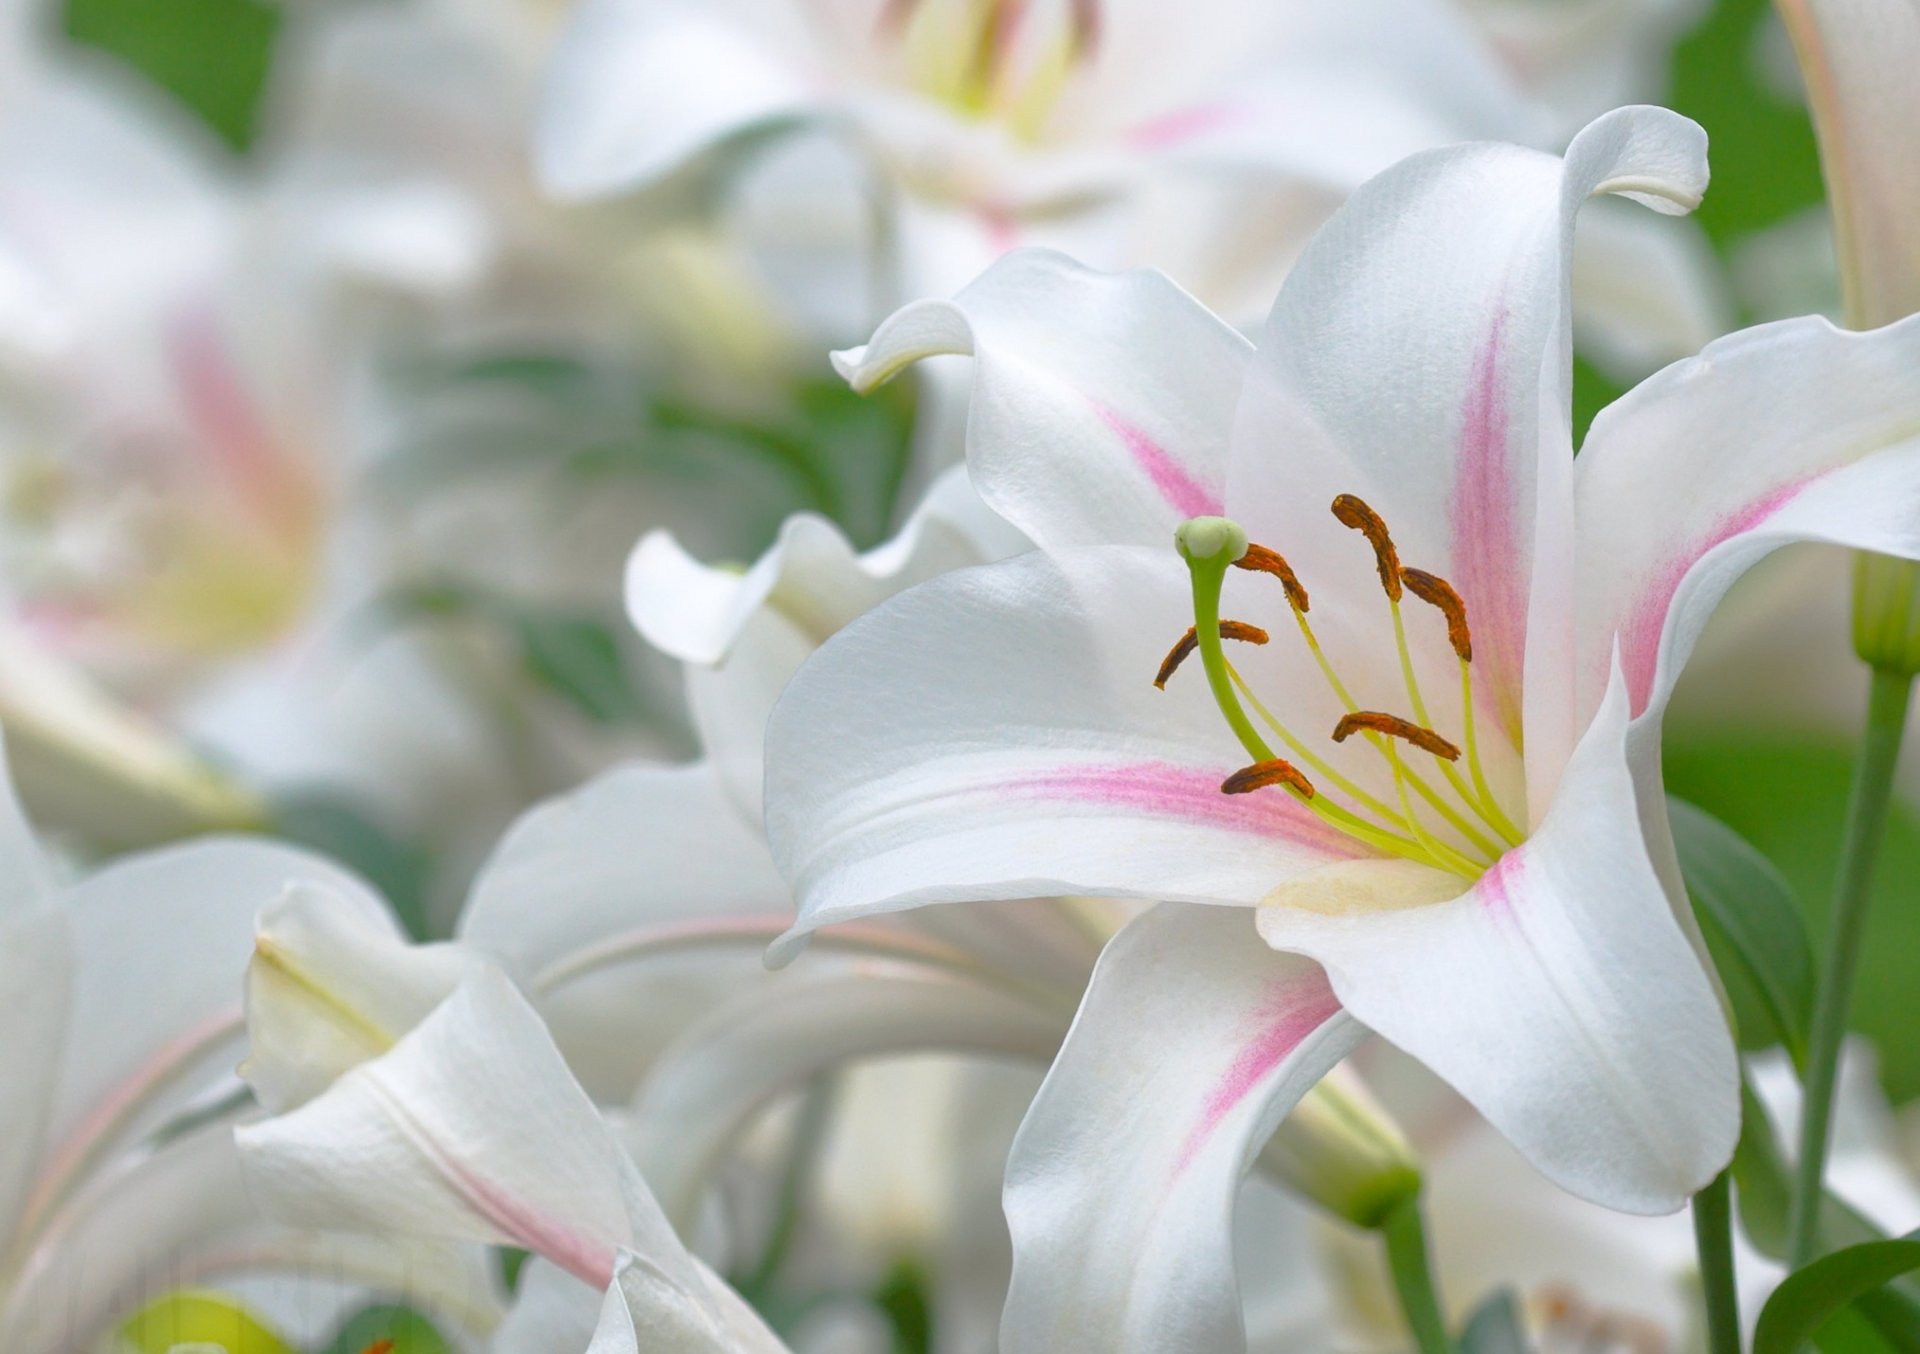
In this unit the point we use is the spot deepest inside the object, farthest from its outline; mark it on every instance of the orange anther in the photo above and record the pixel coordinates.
(1353, 512)
(1395, 727)
(1261, 560)
(1240, 630)
(1262, 774)
(1435, 591)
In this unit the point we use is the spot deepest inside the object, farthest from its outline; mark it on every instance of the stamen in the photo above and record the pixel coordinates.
(1261, 560)
(1395, 727)
(1240, 630)
(1435, 591)
(1353, 512)
(1262, 774)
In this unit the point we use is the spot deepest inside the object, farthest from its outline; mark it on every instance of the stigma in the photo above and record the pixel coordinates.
(1442, 810)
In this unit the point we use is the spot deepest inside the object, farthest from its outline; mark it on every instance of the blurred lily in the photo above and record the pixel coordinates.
(1440, 801)
(471, 1128)
(1207, 143)
(118, 1179)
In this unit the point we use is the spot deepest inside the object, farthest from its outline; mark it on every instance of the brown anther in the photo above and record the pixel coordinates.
(1395, 727)
(1435, 591)
(1261, 560)
(379, 1347)
(1262, 774)
(1354, 513)
(1240, 630)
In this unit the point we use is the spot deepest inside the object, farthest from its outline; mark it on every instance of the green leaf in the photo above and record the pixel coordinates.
(214, 56)
(1752, 921)
(903, 1297)
(1789, 790)
(1495, 1327)
(410, 1332)
(581, 660)
(1810, 1297)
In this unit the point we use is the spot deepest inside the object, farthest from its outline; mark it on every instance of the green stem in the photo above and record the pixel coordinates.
(1867, 805)
(1713, 1240)
(1406, 1239)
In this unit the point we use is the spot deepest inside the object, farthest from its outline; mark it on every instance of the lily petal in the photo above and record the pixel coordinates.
(707, 1088)
(635, 91)
(647, 1312)
(1795, 431)
(1858, 58)
(1101, 401)
(588, 881)
(996, 734)
(471, 1128)
(333, 983)
(1470, 460)
(1558, 995)
(1192, 1044)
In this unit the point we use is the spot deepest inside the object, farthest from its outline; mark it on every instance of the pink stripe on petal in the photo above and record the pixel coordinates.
(1298, 1006)
(1490, 561)
(1639, 634)
(1186, 124)
(1185, 494)
(1494, 890)
(1191, 795)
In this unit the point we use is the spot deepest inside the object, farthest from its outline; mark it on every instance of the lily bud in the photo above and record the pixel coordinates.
(1886, 613)
(1339, 1149)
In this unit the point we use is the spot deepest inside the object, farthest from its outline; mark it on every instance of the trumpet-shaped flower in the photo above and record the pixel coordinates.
(1207, 143)
(1428, 765)
(118, 1178)
(470, 1127)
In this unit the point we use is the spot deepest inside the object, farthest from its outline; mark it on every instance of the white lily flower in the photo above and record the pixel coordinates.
(1207, 143)
(471, 1128)
(118, 1179)
(1486, 881)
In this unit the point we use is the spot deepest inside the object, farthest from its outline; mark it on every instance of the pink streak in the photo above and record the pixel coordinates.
(1185, 124)
(1495, 889)
(1489, 558)
(1640, 633)
(1185, 494)
(1295, 1009)
(1192, 795)
(588, 1260)
(242, 447)
(1002, 234)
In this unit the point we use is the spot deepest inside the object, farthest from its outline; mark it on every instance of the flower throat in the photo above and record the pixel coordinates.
(1212, 545)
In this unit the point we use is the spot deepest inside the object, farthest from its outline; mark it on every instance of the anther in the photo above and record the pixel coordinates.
(1437, 592)
(379, 1347)
(1395, 727)
(1262, 774)
(1354, 513)
(1240, 630)
(1261, 560)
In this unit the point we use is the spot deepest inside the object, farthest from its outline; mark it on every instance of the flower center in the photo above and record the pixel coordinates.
(1443, 812)
(1001, 59)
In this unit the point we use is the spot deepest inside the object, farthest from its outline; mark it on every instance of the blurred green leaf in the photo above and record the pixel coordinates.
(902, 1296)
(1788, 793)
(581, 660)
(214, 56)
(1752, 922)
(1495, 1327)
(410, 1332)
(1766, 165)
(1808, 1298)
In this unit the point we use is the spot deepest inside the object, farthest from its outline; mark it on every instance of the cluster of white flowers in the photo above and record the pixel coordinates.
(432, 922)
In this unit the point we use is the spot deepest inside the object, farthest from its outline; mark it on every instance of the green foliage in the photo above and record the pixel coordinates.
(580, 659)
(1495, 1327)
(410, 1332)
(1766, 165)
(903, 1297)
(1790, 792)
(1753, 926)
(1809, 1298)
(214, 56)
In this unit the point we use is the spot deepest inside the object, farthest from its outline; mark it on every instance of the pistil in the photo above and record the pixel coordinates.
(1210, 545)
